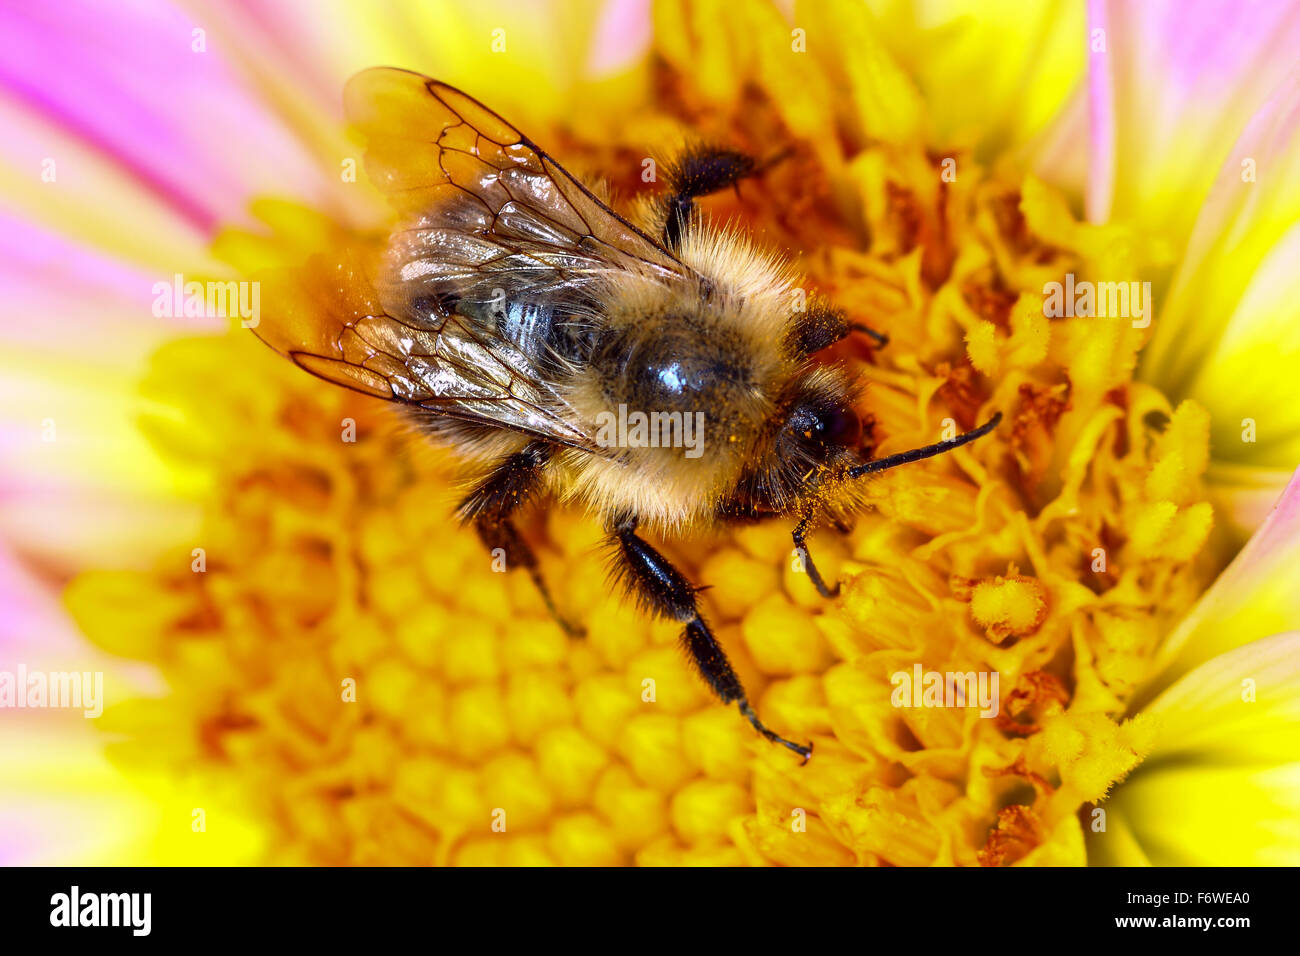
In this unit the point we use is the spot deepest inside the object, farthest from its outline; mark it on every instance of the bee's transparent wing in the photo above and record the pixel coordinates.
(489, 223)
(327, 317)
(429, 147)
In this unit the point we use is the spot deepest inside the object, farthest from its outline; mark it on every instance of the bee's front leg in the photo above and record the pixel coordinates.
(699, 171)
(820, 325)
(661, 589)
(514, 480)
(801, 546)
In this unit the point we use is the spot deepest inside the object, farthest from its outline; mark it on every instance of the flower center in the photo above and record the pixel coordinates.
(370, 686)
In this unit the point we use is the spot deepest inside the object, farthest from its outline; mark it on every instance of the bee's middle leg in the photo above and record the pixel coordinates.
(663, 590)
(514, 480)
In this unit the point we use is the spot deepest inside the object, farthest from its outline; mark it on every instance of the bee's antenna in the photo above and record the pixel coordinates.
(929, 451)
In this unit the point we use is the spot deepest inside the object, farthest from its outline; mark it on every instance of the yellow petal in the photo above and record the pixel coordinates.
(991, 82)
(1254, 596)
(1227, 334)
(1241, 707)
(1221, 784)
(1220, 816)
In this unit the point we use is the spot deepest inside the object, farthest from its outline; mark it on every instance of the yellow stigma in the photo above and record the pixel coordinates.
(1008, 606)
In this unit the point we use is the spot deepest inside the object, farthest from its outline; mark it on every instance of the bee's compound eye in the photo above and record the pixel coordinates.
(842, 427)
(826, 424)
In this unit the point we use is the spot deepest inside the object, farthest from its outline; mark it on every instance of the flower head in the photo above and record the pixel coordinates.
(347, 679)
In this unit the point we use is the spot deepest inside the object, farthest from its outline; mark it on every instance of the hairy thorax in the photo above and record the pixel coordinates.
(677, 395)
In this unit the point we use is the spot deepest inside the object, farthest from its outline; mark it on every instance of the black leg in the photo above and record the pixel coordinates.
(515, 480)
(820, 326)
(501, 533)
(698, 171)
(660, 589)
(512, 482)
(801, 546)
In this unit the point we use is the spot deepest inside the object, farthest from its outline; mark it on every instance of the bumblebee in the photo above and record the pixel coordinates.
(511, 312)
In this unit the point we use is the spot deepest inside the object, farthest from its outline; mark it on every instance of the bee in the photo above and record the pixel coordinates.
(655, 372)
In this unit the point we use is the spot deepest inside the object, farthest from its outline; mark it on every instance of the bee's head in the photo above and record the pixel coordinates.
(811, 457)
(812, 438)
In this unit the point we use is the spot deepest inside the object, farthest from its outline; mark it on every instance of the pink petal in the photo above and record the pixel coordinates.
(124, 78)
(622, 36)
(1179, 80)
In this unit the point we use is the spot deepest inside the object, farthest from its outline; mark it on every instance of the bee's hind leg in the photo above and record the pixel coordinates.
(514, 480)
(661, 589)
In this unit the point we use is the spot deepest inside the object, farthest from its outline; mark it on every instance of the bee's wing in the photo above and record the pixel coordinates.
(327, 317)
(487, 217)
(429, 147)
